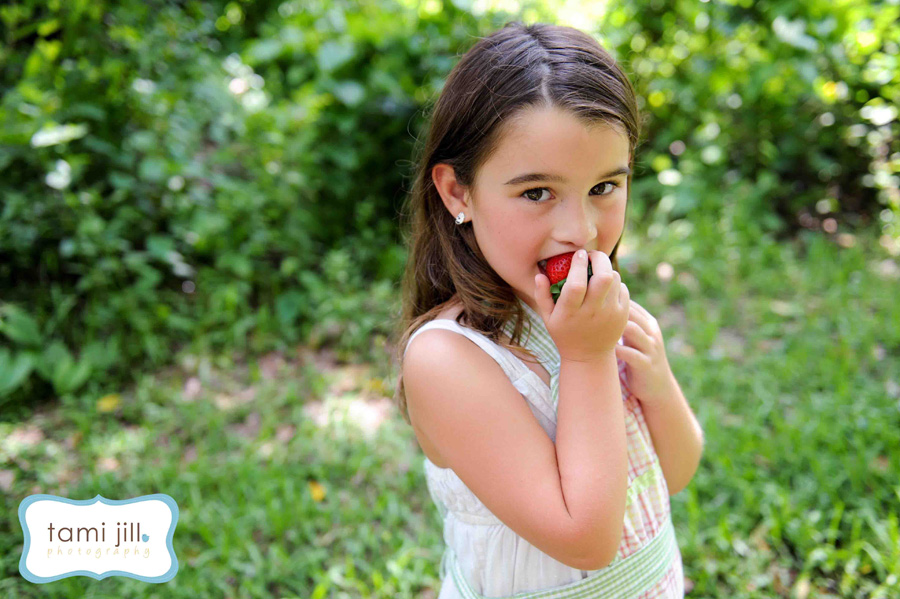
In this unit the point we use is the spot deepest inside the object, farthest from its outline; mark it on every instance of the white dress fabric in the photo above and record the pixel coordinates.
(488, 559)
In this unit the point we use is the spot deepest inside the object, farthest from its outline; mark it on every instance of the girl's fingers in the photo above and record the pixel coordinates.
(542, 296)
(573, 291)
(624, 297)
(601, 262)
(600, 280)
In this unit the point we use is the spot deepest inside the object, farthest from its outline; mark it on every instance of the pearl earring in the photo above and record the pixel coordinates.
(460, 218)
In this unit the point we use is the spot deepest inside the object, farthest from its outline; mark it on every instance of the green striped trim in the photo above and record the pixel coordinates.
(622, 579)
(537, 339)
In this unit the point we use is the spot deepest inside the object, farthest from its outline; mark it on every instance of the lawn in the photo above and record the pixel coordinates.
(296, 476)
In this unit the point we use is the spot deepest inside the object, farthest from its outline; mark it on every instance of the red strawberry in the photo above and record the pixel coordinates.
(557, 270)
(558, 267)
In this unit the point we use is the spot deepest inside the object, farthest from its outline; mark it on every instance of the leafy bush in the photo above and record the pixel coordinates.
(796, 98)
(190, 172)
(164, 190)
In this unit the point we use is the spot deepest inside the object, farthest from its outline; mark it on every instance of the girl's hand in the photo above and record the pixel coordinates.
(589, 318)
(644, 353)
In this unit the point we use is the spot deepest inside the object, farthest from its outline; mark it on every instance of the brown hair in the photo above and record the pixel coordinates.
(514, 68)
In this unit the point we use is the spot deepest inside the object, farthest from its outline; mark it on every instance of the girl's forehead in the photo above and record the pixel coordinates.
(545, 127)
(558, 143)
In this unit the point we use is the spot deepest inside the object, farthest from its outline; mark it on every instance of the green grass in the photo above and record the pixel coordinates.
(787, 352)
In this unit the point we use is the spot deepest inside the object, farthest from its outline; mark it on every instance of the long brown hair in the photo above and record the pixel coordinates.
(514, 68)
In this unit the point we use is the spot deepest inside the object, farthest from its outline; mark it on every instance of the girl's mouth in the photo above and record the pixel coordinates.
(542, 266)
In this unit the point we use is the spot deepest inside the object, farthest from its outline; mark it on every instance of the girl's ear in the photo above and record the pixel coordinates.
(452, 192)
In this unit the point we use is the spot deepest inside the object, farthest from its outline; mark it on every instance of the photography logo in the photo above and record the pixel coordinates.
(98, 537)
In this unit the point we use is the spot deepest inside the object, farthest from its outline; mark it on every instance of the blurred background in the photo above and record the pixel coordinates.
(200, 258)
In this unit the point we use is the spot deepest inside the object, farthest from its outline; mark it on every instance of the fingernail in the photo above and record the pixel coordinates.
(582, 254)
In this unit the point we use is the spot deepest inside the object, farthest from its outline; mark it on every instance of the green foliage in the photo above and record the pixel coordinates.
(798, 97)
(228, 174)
(788, 357)
(184, 172)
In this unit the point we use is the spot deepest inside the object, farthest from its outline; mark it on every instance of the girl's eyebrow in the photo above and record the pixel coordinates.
(530, 177)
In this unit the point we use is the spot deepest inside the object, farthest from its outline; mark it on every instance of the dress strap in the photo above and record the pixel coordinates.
(500, 354)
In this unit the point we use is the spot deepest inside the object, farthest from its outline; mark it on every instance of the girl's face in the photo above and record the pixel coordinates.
(553, 186)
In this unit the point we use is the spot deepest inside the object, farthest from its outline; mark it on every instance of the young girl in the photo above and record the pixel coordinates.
(548, 483)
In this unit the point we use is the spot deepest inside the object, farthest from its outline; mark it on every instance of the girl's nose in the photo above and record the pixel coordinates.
(578, 223)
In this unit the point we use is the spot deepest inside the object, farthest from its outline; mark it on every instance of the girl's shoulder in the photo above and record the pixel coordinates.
(510, 357)
(447, 316)
(450, 312)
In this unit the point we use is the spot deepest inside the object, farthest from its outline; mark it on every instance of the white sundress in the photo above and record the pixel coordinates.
(485, 558)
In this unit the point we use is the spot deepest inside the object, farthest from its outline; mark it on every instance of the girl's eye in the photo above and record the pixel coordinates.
(537, 199)
(536, 189)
